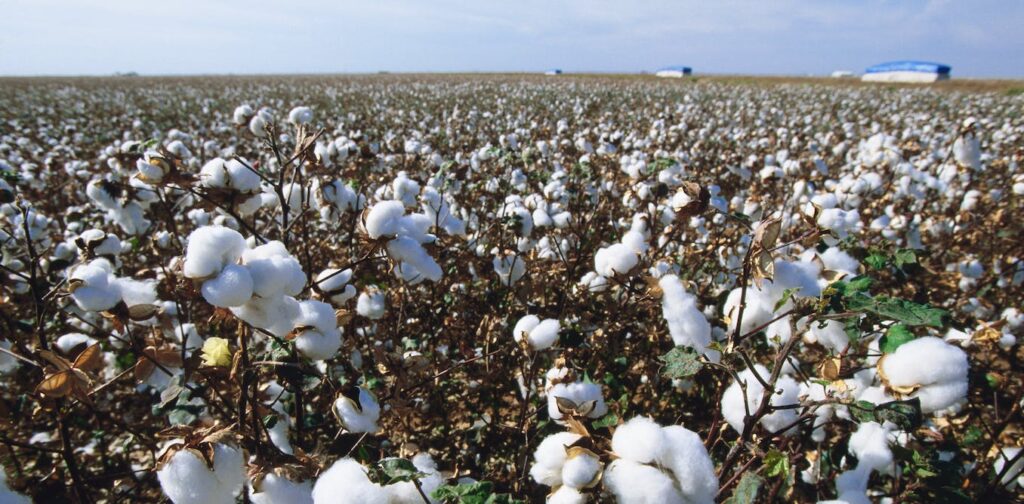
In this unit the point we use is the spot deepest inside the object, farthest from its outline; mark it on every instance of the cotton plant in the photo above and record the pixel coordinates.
(930, 370)
(236, 180)
(405, 235)
(535, 333)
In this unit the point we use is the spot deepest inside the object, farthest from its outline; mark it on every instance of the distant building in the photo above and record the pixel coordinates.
(674, 71)
(553, 71)
(842, 74)
(906, 71)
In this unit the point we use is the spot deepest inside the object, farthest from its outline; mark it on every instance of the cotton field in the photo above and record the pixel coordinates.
(470, 289)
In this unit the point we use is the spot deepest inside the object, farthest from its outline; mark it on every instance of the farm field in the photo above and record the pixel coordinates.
(500, 288)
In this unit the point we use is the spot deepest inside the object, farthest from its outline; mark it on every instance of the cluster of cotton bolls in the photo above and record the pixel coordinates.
(347, 482)
(258, 285)
(405, 234)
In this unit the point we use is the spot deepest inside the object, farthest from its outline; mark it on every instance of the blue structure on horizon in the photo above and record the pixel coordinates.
(674, 71)
(907, 71)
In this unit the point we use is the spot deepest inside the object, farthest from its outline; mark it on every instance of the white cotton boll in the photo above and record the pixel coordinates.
(94, 287)
(8, 496)
(69, 342)
(276, 489)
(549, 457)
(371, 304)
(870, 444)
(579, 393)
(544, 335)
(636, 241)
(186, 479)
(509, 268)
(940, 369)
(524, 326)
(615, 259)
(580, 470)
(320, 339)
(258, 126)
(274, 271)
(639, 440)
(686, 323)
(241, 114)
(335, 285)
(685, 455)
(787, 394)
(832, 336)
(566, 495)
(279, 435)
(404, 249)
(385, 219)
(232, 287)
(275, 314)
(210, 249)
(634, 483)
(136, 292)
(360, 417)
(346, 482)
(967, 151)
(1014, 476)
(300, 115)
(406, 491)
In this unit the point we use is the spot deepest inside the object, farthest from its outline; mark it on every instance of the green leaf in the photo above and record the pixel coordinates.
(905, 414)
(895, 336)
(609, 420)
(904, 256)
(680, 362)
(394, 470)
(481, 492)
(270, 421)
(776, 464)
(747, 489)
(876, 260)
(863, 411)
(786, 294)
(900, 310)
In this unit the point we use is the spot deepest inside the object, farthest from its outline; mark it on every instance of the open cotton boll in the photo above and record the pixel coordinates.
(241, 114)
(685, 455)
(230, 174)
(938, 368)
(615, 259)
(276, 489)
(639, 440)
(541, 335)
(346, 482)
(274, 271)
(634, 483)
(319, 338)
(406, 491)
(274, 314)
(404, 249)
(360, 417)
(71, 341)
(210, 249)
(232, 287)
(579, 393)
(870, 444)
(186, 479)
(334, 284)
(300, 115)
(1014, 476)
(550, 456)
(686, 323)
(567, 495)
(136, 292)
(8, 496)
(93, 287)
(787, 394)
(279, 434)
(371, 304)
(384, 219)
(509, 268)
(831, 336)
(580, 469)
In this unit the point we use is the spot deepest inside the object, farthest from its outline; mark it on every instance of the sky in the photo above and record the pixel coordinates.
(978, 38)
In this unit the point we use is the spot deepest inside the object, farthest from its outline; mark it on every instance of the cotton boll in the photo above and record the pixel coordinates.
(72, 341)
(541, 335)
(186, 479)
(232, 287)
(509, 268)
(274, 271)
(831, 336)
(406, 492)
(580, 469)
(334, 284)
(686, 323)
(8, 496)
(685, 455)
(615, 259)
(279, 435)
(734, 411)
(361, 417)
(404, 249)
(93, 287)
(210, 249)
(274, 314)
(384, 219)
(639, 440)
(136, 292)
(938, 368)
(1013, 477)
(371, 304)
(550, 456)
(276, 489)
(346, 482)
(634, 483)
(319, 337)
(300, 115)
(870, 444)
(566, 495)
(579, 393)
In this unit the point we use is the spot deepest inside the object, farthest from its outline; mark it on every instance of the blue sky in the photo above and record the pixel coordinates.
(979, 38)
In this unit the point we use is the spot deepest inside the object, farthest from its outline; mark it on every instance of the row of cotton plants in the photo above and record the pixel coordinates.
(399, 289)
